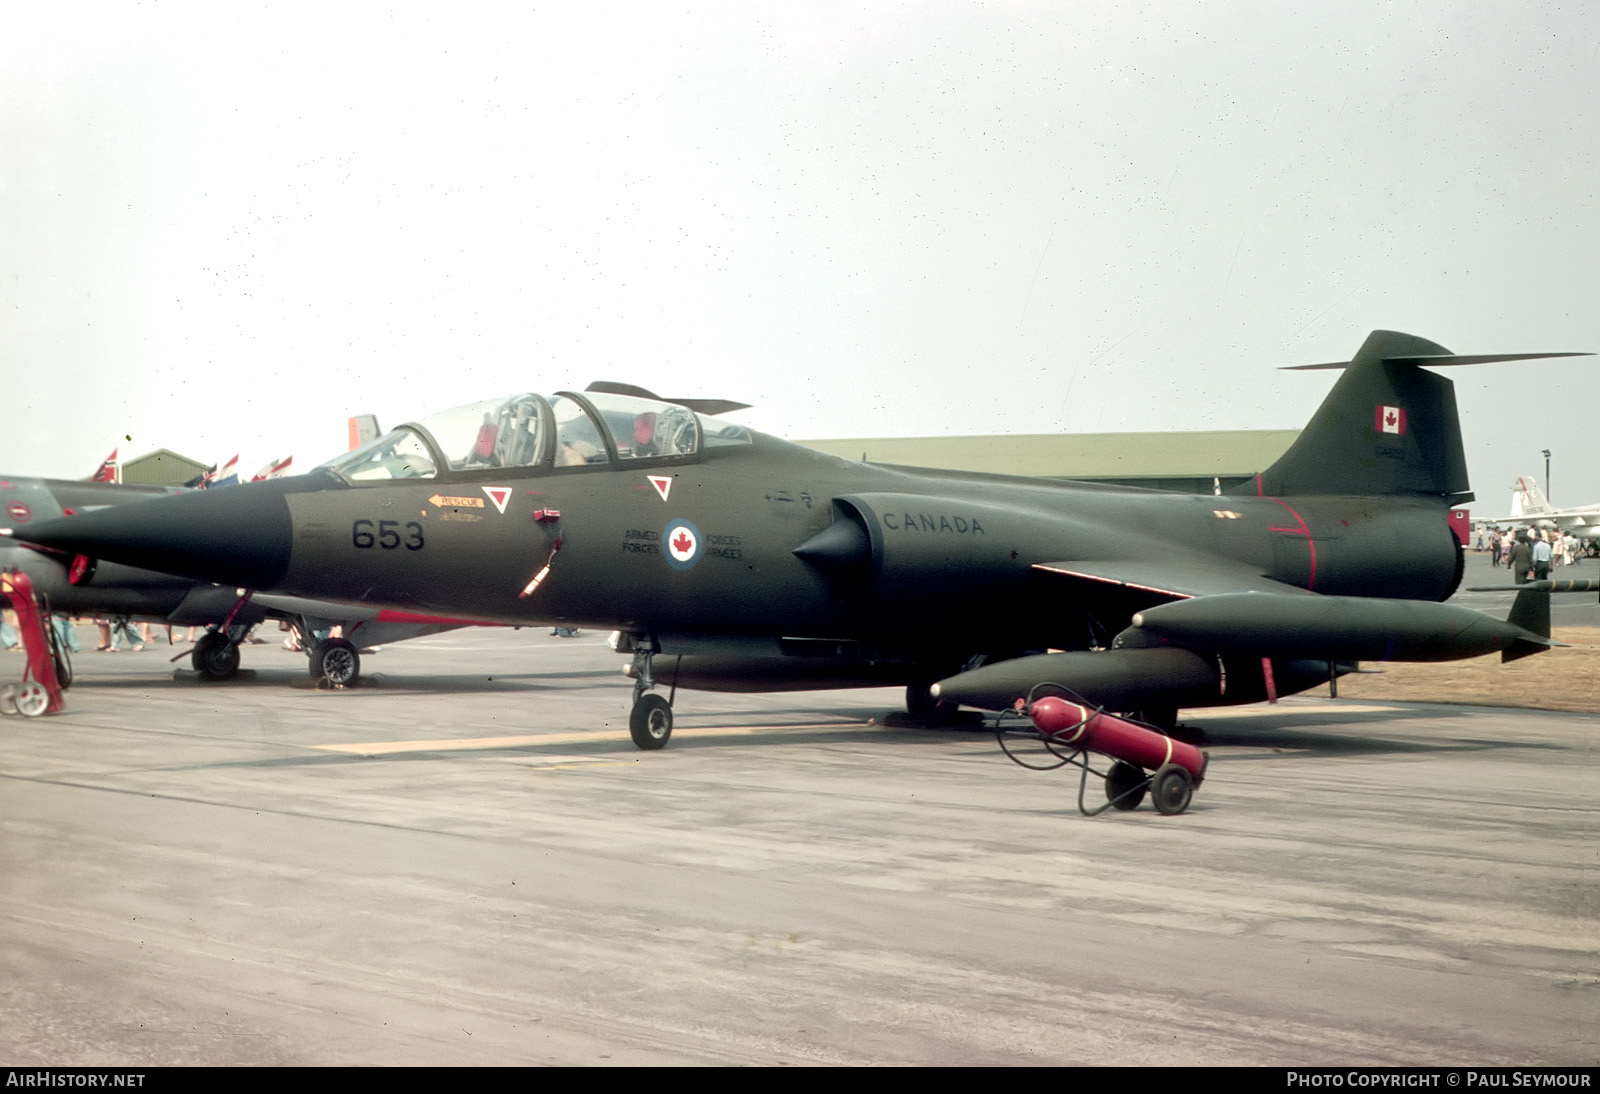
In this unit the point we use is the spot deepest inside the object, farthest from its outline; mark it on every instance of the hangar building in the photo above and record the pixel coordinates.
(1191, 462)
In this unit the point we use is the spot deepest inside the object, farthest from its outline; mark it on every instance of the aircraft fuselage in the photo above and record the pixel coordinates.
(711, 546)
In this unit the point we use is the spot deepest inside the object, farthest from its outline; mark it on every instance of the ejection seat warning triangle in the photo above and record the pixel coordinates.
(662, 483)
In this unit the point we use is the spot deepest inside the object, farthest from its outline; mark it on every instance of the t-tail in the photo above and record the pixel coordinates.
(1388, 427)
(1527, 500)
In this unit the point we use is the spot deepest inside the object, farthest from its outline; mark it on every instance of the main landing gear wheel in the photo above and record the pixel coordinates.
(32, 699)
(650, 724)
(336, 661)
(1163, 718)
(1126, 785)
(1171, 789)
(8, 699)
(215, 656)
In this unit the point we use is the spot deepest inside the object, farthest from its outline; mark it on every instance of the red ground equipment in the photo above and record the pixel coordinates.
(1069, 729)
(40, 689)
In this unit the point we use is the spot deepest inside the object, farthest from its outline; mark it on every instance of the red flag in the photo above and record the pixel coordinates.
(274, 469)
(110, 470)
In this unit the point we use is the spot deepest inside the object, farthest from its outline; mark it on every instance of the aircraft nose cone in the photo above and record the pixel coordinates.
(237, 535)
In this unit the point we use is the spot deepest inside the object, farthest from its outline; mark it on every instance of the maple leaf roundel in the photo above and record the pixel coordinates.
(680, 544)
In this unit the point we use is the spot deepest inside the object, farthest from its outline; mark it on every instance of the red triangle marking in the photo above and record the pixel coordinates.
(499, 495)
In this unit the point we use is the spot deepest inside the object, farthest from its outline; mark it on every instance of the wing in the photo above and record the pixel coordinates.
(1178, 578)
(1207, 632)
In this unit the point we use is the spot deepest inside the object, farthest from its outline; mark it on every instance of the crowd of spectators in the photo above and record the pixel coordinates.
(1530, 552)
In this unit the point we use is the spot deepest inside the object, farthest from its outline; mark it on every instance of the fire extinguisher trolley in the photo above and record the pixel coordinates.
(1070, 729)
(39, 691)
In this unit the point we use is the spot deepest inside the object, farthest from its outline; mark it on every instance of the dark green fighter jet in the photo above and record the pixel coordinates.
(727, 559)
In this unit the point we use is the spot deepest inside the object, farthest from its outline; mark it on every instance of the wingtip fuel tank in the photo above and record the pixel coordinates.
(1336, 628)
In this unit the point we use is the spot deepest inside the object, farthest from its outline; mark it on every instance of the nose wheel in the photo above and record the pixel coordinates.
(650, 722)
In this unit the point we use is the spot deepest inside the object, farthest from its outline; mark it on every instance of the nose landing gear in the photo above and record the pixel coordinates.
(650, 722)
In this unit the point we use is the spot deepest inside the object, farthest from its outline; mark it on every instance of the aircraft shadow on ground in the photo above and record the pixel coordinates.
(1291, 742)
(432, 684)
(698, 738)
(1299, 732)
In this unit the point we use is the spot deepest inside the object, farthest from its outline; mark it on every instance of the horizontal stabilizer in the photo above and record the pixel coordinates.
(1441, 360)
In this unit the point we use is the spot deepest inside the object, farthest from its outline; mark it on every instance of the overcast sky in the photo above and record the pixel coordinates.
(227, 227)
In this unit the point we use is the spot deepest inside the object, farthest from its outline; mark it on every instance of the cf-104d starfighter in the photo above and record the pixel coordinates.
(728, 559)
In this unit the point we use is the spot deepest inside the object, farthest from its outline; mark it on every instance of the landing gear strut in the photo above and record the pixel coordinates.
(650, 722)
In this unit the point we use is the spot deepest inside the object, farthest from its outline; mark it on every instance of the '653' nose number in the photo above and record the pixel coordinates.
(387, 534)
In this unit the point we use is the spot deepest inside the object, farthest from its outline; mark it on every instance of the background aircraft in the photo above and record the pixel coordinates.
(1530, 506)
(727, 558)
(81, 586)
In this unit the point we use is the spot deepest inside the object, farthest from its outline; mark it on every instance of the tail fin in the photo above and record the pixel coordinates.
(363, 430)
(110, 469)
(1527, 500)
(1388, 426)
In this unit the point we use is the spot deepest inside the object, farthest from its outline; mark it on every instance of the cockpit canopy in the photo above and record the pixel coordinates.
(530, 431)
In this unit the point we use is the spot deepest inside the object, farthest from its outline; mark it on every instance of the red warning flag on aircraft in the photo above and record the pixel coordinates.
(110, 470)
(1391, 419)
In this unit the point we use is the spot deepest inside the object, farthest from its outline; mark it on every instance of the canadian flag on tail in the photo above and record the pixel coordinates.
(1391, 419)
(110, 470)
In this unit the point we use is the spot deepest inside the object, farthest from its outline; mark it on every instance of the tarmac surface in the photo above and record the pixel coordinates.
(463, 860)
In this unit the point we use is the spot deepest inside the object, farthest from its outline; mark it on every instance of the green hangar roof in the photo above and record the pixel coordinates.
(1173, 461)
